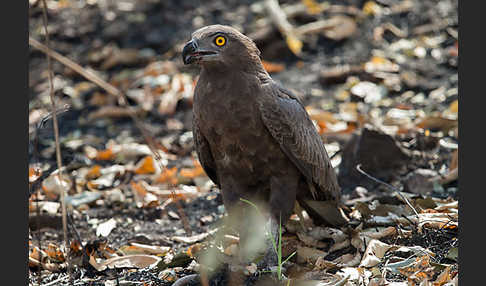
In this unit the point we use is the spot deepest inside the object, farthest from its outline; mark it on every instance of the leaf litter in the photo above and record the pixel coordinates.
(395, 86)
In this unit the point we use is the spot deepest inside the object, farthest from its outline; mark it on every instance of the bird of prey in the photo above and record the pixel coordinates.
(253, 137)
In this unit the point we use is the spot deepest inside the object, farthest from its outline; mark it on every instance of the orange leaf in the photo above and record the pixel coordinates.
(76, 247)
(54, 252)
(145, 166)
(141, 191)
(168, 175)
(272, 67)
(34, 174)
(194, 249)
(94, 172)
(192, 173)
(105, 155)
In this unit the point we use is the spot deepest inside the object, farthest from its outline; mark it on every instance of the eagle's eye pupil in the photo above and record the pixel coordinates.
(220, 41)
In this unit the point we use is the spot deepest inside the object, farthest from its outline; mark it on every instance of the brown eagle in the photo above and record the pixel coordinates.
(253, 137)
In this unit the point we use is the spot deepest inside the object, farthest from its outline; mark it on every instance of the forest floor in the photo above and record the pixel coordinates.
(380, 82)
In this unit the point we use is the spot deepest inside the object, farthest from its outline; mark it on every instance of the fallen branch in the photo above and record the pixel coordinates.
(279, 18)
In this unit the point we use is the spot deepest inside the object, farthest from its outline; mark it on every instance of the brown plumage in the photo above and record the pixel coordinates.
(253, 137)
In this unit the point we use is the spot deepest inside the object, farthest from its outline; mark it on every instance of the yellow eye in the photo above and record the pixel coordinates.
(220, 41)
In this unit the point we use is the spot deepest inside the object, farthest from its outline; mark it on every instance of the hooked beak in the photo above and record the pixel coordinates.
(192, 53)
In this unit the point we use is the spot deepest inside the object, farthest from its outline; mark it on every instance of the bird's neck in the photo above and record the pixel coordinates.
(249, 68)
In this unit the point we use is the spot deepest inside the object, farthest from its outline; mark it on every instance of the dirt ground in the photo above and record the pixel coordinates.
(383, 94)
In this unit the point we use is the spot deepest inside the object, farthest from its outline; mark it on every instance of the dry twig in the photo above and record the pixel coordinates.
(358, 167)
(58, 147)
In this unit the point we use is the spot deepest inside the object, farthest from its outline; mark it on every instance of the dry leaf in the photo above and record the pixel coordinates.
(320, 115)
(54, 253)
(272, 67)
(312, 6)
(127, 261)
(52, 185)
(167, 176)
(374, 253)
(143, 198)
(106, 154)
(105, 228)
(309, 254)
(436, 122)
(34, 174)
(194, 238)
(194, 249)
(138, 248)
(145, 166)
(380, 233)
(94, 172)
(294, 44)
(371, 8)
(193, 172)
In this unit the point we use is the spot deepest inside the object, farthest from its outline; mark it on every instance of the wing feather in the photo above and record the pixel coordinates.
(288, 122)
(204, 152)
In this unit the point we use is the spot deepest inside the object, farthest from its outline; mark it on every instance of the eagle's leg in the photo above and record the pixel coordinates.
(243, 218)
(283, 190)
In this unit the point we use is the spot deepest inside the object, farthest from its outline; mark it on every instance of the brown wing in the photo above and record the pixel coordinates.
(204, 152)
(288, 122)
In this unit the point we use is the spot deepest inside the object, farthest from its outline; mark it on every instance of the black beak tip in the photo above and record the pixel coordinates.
(188, 49)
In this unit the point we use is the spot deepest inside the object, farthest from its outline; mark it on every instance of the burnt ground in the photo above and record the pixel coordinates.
(121, 40)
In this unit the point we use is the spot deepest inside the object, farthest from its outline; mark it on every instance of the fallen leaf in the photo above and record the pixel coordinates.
(377, 233)
(374, 253)
(138, 248)
(82, 198)
(371, 8)
(443, 277)
(45, 206)
(145, 166)
(52, 185)
(102, 182)
(436, 123)
(94, 172)
(34, 174)
(143, 198)
(54, 253)
(272, 67)
(294, 44)
(192, 172)
(127, 261)
(105, 228)
(312, 6)
(106, 154)
(194, 238)
(309, 254)
(167, 176)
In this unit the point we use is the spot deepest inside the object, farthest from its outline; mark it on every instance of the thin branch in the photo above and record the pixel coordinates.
(358, 167)
(104, 85)
(58, 147)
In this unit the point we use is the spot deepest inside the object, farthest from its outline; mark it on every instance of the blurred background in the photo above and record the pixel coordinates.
(379, 79)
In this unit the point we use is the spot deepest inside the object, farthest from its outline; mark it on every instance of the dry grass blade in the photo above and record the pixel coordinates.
(56, 138)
